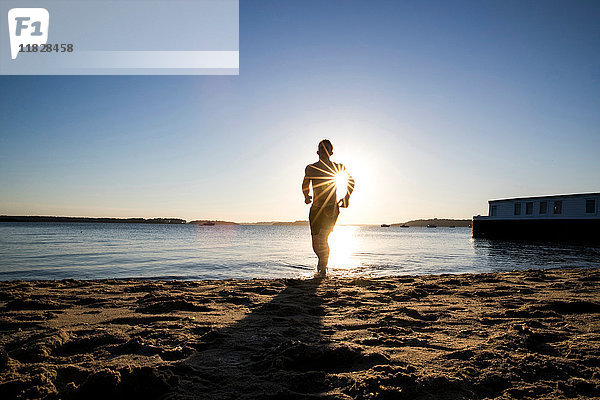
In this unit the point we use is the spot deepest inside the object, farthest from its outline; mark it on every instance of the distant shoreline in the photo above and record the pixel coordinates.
(178, 221)
(442, 223)
(7, 218)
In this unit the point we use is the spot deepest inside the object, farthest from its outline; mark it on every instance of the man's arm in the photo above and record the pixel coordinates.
(349, 189)
(306, 186)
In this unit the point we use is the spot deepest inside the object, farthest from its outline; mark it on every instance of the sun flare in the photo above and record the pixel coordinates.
(334, 181)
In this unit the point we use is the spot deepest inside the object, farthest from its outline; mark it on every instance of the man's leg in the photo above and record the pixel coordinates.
(321, 248)
(325, 249)
(316, 245)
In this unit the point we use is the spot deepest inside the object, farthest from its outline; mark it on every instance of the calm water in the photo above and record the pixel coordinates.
(91, 251)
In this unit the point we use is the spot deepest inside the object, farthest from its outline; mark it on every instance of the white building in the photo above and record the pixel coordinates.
(568, 217)
(544, 207)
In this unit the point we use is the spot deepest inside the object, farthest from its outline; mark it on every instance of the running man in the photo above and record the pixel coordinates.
(325, 208)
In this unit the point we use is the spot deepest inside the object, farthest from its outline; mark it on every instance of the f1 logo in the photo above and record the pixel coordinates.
(27, 26)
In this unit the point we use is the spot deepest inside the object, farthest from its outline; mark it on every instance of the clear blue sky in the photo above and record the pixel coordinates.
(435, 107)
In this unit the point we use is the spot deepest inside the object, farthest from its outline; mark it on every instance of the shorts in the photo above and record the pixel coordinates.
(323, 218)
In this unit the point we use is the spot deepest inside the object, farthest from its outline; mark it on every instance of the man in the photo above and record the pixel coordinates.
(325, 208)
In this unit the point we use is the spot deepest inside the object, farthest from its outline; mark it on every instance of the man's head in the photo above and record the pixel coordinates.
(325, 149)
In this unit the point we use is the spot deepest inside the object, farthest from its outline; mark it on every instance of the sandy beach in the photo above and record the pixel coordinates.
(531, 334)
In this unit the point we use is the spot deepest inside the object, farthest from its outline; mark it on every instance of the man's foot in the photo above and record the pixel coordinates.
(321, 274)
(321, 271)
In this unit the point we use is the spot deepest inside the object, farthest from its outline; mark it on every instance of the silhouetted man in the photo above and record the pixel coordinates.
(325, 209)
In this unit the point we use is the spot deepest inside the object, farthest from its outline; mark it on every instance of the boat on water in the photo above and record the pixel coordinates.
(208, 223)
(431, 226)
(405, 226)
(385, 225)
(568, 218)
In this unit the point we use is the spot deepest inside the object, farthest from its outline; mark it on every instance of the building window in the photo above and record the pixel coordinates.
(517, 208)
(493, 210)
(543, 207)
(529, 208)
(590, 206)
(558, 207)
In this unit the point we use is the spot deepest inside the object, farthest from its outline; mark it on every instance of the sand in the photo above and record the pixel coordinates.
(516, 335)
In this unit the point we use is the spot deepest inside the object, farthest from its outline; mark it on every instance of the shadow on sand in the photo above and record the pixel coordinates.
(281, 350)
(278, 350)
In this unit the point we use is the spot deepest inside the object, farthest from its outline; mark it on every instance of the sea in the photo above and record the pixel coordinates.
(32, 251)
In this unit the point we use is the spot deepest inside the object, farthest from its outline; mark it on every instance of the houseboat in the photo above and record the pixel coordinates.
(568, 217)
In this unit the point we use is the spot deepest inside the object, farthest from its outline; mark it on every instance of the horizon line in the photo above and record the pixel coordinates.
(219, 220)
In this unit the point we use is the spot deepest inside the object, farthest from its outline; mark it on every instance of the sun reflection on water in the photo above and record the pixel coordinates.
(342, 244)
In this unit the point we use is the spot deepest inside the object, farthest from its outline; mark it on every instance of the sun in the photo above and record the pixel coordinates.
(335, 182)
